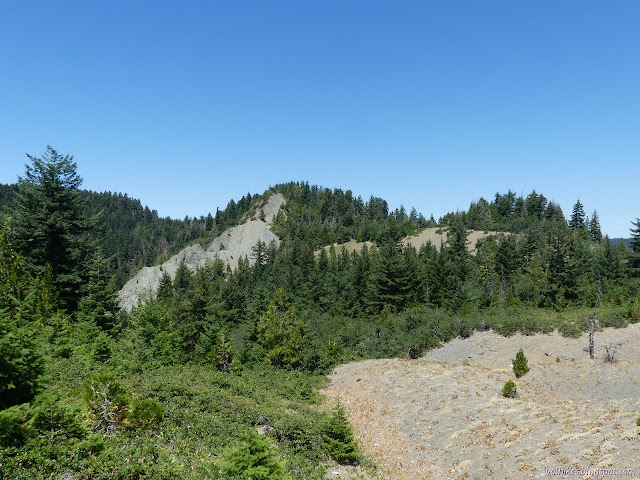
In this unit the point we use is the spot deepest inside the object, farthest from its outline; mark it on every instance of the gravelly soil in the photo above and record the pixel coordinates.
(435, 418)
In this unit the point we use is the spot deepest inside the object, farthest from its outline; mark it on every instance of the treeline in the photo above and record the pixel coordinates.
(388, 299)
(321, 216)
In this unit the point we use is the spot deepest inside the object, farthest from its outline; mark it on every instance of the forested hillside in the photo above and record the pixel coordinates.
(178, 388)
(132, 236)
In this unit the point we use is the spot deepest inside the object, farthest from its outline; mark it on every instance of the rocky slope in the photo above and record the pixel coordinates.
(233, 244)
(443, 416)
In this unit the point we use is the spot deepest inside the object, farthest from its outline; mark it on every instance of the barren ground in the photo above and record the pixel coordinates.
(437, 418)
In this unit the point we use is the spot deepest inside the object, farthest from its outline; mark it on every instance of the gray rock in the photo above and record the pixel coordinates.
(230, 246)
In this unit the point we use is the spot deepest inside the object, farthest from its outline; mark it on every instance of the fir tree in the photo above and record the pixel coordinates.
(577, 222)
(594, 228)
(21, 366)
(280, 332)
(635, 245)
(48, 226)
(635, 236)
(253, 460)
(520, 364)
(223, 353)
(339, 440)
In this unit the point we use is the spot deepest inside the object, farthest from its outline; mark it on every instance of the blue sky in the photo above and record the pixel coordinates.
(431, 104)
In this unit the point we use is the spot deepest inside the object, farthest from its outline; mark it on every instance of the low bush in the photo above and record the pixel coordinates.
(145, 413)
(509, 389)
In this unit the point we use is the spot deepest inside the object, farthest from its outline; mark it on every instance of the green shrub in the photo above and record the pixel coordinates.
(520, 364)
(633, 312)
(252, 460)
(509, 389)
(339, 440)
(638, 422)
(102, 348)
(21, 364)
(145, 413)
(14, 430)
(54, 418)
(91, 446)
(107, 400)
(570, 330)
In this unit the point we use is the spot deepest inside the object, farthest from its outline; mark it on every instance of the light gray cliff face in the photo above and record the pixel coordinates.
(230, 246)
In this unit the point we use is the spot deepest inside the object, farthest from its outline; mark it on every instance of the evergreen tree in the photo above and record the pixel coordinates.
(99, 294)
(520, 364)
(594, 228)
(48, 226)
(635, 236)
(577, 222)
(389, 281)
(635, 245)
(339, 440)
(165, 288)
(222, 352)
(253, 460)
(20, 363)
(280, 332)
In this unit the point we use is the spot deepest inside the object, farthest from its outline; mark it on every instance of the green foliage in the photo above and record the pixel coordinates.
(107, 400)
(252, 460)
(57, 419)
(145, 413)
(638, 422)
(339, 440)
(222, 353)
(509, 389)
(570, 329)
(280, 331)
(14, 429)
(102, 347)
(520, 364)
(21, 364)
(48, 226)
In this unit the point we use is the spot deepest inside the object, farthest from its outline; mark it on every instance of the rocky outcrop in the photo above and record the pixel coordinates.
(233, 244)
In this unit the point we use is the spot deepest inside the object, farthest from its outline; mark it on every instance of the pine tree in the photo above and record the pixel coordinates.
(253, 460)
(635, 245)
(635, 236)
(594, 228)
(520, 364)
(222, 352)
(99, 294)
(165, 288)
(21, 366)
(339, 440)
(577, 222)
(48, 226)
(280, 332)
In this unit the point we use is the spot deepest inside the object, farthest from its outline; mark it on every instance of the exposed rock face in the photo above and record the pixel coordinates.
(233, 244)
(239, 241)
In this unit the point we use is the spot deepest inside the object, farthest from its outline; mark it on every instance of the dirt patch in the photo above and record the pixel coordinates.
(438, 237)
(436, 418)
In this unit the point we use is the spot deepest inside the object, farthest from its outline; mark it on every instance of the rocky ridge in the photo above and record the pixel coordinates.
(230, 246)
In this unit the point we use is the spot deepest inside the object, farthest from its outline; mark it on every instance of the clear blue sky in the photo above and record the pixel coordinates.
(431, 104)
